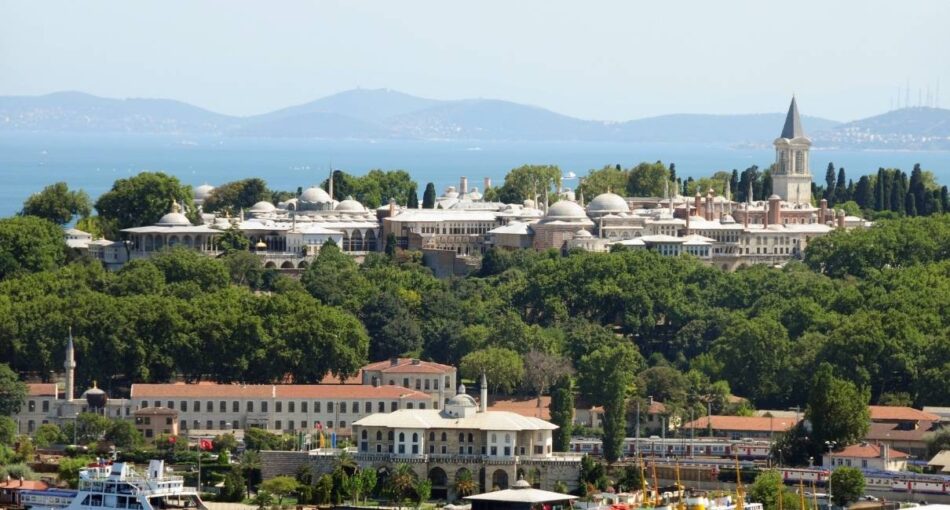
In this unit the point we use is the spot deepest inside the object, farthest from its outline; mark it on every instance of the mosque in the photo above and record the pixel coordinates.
(463, 226)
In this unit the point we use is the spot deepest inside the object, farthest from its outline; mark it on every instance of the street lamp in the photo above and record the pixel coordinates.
(830, 445)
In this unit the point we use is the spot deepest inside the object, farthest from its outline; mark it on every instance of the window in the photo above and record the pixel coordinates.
(390, 435)
(461, 450)
(184, 405)
(409, 405)
(330, 424)
(279, 406)
(168, 421)
(250, 406)
(444, 449)
(263, 406)
(402, 437)
(470, 437)
(277, 425)
(431, 448)
(431, 436)
(381, 407)
(46, 406)
(235, 407)
(235, 424)
(342, 424)
(418, 384)
(494, 450)
(461, 437)
(290, 425)
(329, 407)
(405, 382)
(402, 448)
(158, 404)
(196, 406)
(342, 407)
(303, 407)
(144, 404)
(316, 407)
(379, 448)
(368, 407)
(291, 406)
(379, 435)
(393, 406)
(422, 405)
(355, 408)
(427, 384)
(222, 425)
(364, 435)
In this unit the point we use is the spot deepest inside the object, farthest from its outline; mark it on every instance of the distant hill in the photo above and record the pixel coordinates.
(382, 113)
(79, 112)
(917, 128)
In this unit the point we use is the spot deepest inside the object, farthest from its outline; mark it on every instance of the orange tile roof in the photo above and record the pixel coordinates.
(866, 451)
(41, 389)
(406, 365)
(743, 423)
(524, 406)
(27, 485)
(893, 432)
(213, 390)
(901, 413)
(353, 379)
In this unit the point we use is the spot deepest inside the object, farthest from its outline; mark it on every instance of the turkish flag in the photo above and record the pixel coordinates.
(205, 444)
(172, 439)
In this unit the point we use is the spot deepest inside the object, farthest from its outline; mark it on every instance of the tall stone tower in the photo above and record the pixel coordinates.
(791, 179)
(70, 366)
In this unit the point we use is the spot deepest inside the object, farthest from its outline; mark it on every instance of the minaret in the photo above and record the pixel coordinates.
(791, 180)
(484, 393)
(70, 366)
(331, 183)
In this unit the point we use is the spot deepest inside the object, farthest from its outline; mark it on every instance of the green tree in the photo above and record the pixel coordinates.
(12, 391)
(280, 486)
(755, 354)
(392, 326)
(847, 485)
(464, 483)
(503, 368)
(647, 180)
(224, 442)
(141, 200)
(368, 481)
(233, 239)
(402, 482)
(428, 196)
(423, 490)
(250, 464)
(837, 409)
(412, 202)
(48, 434)
(562, 413)
(30, 244)
(323, 492)
(69, 468)
(181, 265)
(236, 195)
(123, 434)
(391, 245)
(609, 178)
(244, 268)
(606, 377)
(8, 431)
(829, 190)
(530, 182)
(334, 278)
(233, 489)
(57, 204)
(263, 500)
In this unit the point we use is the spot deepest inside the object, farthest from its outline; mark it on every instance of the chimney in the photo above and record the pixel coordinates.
(745, 217)
(841, 218)
(823, 211)
(710, 212)
(392, 207)
(463, 185)
(415, 361)
(765, 214)
(775, 210)
(698, 204)
(484, 393)
(393, 361)
(487, 184)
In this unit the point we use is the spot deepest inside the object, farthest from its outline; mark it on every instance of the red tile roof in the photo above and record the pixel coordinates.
(656, 408)
(900, 413)
(409, 365)
(524, 407)
(892, 432)
(213, 390)
(743, 423)
(353, 379)
(866, 451)
(41, 389)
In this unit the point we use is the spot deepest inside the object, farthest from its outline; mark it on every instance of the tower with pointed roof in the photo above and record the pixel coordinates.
(791, 179)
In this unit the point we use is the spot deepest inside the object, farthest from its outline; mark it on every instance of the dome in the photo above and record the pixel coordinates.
(474, 194)
(462, 400)
(775, 197)
(350, 205)
(95, 397)
(521, 484)
(727, 220)
(583, 234)
(174, 218)
(608, 203)
(262, 207)
(314, 195)
(202, 192)
(565, 210)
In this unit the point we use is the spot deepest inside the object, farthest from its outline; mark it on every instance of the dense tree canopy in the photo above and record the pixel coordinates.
(374, 188)
(236, 195)
(29, 244)
(58, 204)
(141, 200)
(530, 182)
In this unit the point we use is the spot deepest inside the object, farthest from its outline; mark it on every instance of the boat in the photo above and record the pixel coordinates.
(120, 486)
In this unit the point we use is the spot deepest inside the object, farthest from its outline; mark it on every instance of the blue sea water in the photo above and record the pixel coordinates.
(92, 162)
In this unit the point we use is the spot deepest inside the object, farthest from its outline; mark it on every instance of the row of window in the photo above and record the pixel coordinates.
(278, 424)
(341, 407)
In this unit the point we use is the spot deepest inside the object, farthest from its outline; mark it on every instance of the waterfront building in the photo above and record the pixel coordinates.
(465, 439)
(434, 379)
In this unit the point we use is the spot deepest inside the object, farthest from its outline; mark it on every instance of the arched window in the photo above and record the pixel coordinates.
(507, 438)
(415, 437)
(379, 435)
(431, 436)
(390, 435)
(470, 437)
(461, 436)
(364, 435)
(402, 437)
(443, 436)
(494, 438)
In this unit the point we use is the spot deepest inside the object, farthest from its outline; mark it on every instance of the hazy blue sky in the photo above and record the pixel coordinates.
(605, 60)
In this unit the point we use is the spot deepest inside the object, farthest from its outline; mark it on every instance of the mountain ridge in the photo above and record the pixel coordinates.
(386, 113)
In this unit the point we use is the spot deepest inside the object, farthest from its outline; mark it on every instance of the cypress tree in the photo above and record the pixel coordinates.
(734, 184)
(428, 196)
(413, 201)
(944, 199)
(879, 196)
(863, 194)
(562, 413)
(918, 190)
(910, 204)
(897, 193)
(830, 183)
(672, 172)
(841, 189)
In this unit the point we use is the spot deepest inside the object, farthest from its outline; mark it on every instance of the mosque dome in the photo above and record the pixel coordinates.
(521, 484)
(775, 197)
(94, 397)
(727, 220)
(565, 210)
(583, 234)
(202, 192)
(450, 192)
(174, 218)
(350, 205)
(262, 207)
(474, 194)
(314, 195)
(608, 203)
(462, 400)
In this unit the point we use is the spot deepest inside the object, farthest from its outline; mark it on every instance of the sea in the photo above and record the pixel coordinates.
(28, 162)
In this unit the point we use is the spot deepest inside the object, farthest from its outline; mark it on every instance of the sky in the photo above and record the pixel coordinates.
(608, 60)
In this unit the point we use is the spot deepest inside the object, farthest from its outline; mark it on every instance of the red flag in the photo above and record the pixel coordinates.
(204, 444)
(172, 439)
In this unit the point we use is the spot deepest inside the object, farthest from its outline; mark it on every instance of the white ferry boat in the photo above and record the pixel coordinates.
(119, 486)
